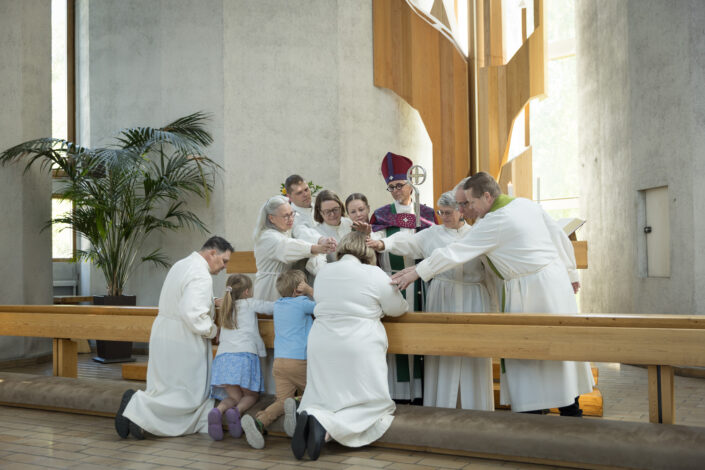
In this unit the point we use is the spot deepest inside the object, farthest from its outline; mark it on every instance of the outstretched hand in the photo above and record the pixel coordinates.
(576, 287)
(328, 243)
(404, 278)
(362, 227)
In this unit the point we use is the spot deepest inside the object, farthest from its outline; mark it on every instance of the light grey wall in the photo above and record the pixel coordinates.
(300, 98)
(289, 85)
(640, 76)
(146, 65)
(25, 113)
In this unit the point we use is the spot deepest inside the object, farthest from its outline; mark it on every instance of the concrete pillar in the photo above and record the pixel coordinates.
(25, 94)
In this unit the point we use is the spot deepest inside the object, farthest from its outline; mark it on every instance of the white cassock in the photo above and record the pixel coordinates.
(536, 261)
(275, 253)
(177, 401)
(335, 231)
(346, 375)
(401, 390)
(460, 289)
(304, 226)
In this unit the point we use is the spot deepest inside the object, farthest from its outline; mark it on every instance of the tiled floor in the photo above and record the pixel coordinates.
(31, 439)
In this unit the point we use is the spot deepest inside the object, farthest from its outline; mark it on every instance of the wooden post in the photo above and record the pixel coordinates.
(662, 406)
(65, 358)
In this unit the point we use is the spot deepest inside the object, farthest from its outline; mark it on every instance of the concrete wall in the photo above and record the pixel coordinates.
(640, 75)
(289, 85)
(25, 113)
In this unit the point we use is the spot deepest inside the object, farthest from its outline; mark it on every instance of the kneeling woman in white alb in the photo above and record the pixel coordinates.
(347, 394)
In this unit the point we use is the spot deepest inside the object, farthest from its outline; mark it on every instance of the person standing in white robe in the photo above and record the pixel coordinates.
(276, 251)
(449, 381)
(347, 395)
(533, 256)
(405, 371)
(329, 212)
(176, 401)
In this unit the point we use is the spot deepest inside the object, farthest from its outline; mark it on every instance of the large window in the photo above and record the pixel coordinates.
(62, 114)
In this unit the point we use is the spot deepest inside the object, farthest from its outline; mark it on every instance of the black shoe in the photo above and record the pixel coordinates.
(572, 409)
(298, 442)
(316, 438)
(136, 431)
(122, 424)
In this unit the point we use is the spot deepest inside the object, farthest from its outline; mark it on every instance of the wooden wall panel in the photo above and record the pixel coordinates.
(425, 67)
(504, 90)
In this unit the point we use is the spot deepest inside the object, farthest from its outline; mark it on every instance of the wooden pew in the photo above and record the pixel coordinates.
(657, 341)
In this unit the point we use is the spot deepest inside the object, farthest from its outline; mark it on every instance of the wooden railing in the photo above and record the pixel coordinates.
(657, 341)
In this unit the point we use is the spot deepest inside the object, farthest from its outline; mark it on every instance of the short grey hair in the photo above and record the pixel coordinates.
(447, 199)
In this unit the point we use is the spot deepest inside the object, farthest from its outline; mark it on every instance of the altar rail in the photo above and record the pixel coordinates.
(657, 341)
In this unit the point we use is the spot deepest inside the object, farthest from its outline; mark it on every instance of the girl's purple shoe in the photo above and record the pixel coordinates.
(215, 424)
(232, 417)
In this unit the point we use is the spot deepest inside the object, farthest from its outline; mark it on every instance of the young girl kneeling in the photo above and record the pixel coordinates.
(236, 378)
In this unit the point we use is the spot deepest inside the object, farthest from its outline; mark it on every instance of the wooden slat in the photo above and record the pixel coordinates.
(625, 345)
(662, 404)
(72, 299)
(106, 327)
(81, 310)
(424, 66)
(581, 253)
(65, 358)
(242, 262)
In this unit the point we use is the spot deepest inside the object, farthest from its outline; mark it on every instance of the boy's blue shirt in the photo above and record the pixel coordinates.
(292, 322)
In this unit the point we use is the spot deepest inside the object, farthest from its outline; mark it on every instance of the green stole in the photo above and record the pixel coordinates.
(499, 202)
(396, 263)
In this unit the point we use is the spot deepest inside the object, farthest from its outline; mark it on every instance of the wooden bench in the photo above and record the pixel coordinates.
(657, 341)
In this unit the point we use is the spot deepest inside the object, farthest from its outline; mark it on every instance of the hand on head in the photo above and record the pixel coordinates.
(377, 245)
(303, 289)
(363, 227)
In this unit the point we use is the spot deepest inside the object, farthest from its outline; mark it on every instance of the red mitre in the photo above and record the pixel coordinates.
(394, 167)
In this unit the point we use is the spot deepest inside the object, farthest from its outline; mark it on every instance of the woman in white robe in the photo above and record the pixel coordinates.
(276, 251)
(536, 262)
(347, 395)
(329, 212)
(449, 381)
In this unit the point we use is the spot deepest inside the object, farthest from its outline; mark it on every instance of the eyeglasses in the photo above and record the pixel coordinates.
(289, 216)
(333, 211)
(444, 213)
(462, 204)
(397, 187)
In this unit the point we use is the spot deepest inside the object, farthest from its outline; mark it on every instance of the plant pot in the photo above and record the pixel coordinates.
(114, 351)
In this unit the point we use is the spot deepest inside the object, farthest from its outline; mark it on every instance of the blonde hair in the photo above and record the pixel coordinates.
(288, 281)
(235, 286)
(354, 244)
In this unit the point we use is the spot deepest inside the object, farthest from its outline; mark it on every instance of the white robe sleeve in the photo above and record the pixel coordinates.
(283, 248)
(195, 307)
(405, 244)
(390, 299)
(482, 239)
(563, 246)
(306, 233)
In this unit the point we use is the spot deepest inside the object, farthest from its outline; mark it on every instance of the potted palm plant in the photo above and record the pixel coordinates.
(124, 192)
